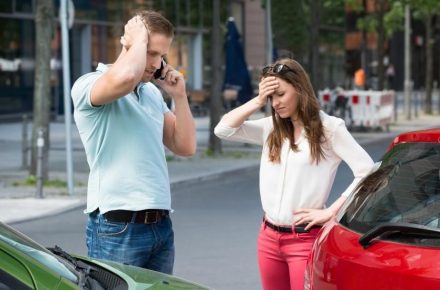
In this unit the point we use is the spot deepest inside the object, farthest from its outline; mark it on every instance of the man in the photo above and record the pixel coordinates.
(124, 124)
(390, 76)
(359, 79)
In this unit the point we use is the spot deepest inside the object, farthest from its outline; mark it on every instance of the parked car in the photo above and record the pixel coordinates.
(25, 265)
(387, 234)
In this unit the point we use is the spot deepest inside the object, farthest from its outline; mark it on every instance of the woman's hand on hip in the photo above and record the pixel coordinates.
(312, 216)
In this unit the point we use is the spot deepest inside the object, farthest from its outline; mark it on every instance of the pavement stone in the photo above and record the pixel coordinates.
(18, 203)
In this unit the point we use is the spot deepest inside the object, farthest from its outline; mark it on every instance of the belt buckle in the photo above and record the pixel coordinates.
(147, 215)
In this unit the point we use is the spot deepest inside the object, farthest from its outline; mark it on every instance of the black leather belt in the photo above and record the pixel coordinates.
(148, 216)
(280, 229)
(284, 229)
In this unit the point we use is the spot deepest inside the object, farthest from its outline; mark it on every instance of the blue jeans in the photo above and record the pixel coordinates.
(149, 246)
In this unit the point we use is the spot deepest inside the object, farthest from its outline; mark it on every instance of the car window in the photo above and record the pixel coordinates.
(404, 188)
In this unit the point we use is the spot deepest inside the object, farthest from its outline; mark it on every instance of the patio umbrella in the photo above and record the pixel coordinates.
(236, 71)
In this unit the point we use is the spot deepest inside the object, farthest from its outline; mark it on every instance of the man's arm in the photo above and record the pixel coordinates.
(179, 132)
(179, 128)
(123, 76)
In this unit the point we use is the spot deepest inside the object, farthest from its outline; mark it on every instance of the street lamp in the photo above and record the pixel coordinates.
(407, 82)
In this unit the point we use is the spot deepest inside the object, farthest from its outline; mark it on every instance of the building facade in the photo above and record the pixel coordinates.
(93, 38)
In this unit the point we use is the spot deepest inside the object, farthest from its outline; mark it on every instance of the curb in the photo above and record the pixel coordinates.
(75, 205)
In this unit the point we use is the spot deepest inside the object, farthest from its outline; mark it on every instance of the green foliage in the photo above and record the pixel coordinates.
(333, 16)
(32, 181)
(191, 13)
(209, 153)
(355, 5)
(393, 16)
(291, 20)
(333, 13)
(367, 23)
(289, 26)
(421, 9)
(424, 8)
(393, 20)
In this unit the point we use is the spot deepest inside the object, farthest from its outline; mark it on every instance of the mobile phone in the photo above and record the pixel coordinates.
(158, 73)
(301, 228)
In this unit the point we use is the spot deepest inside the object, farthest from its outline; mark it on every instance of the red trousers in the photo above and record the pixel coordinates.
(282, 258)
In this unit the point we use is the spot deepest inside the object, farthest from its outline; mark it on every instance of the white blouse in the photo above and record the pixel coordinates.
(295, 182)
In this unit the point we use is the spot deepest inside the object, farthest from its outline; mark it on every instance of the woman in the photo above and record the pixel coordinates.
(302, 148)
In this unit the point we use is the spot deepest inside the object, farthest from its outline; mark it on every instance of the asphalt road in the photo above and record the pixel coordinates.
(216, 223)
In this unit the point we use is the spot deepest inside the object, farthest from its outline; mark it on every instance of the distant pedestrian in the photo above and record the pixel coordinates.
(124, 124)
(390, 73)
(359, 79)
(302, 149)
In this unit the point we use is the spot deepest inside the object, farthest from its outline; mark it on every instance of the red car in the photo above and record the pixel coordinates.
(387, 235)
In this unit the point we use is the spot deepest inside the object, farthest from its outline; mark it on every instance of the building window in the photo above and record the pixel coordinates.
(23, 6)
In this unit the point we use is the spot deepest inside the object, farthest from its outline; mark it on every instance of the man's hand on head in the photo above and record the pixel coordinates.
(134, 31)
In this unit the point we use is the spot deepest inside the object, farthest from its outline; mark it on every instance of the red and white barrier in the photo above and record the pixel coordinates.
(325, 99)
(365, 109)
(371, 109)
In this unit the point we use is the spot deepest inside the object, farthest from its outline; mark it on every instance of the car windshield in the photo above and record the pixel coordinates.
(404, 189)
(36, 251)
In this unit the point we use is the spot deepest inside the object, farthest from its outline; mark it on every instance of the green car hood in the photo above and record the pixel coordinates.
(141, 279)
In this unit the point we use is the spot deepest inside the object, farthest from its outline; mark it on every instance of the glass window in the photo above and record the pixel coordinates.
(105, 43)
(405, 188)
(24, 6)
(101, 10)
(6, 6)
(16, 64)
(115, 10)
(89, 10)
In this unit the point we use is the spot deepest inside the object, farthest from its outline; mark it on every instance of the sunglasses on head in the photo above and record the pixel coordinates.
(277, 69)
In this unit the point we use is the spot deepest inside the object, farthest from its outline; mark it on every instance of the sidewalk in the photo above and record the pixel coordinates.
(18, 203)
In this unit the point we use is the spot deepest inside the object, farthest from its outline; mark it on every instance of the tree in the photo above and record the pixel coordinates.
(288, 27)
(331, 43)
(44, 20)
(426, 10)
(381, 6)
(216, 104)
(374, 22)
(315, 13)
(324, 22)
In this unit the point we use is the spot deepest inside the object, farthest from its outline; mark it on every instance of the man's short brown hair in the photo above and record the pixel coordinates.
(157, 23)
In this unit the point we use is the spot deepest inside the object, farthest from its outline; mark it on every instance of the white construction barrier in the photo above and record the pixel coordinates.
(360, 109)
(336, 103)
(325, 99)
(371, 109)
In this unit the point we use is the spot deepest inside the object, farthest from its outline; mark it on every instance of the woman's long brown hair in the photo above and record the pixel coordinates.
(308, 112)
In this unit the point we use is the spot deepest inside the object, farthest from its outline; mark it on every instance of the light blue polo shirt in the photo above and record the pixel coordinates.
(124, 147)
